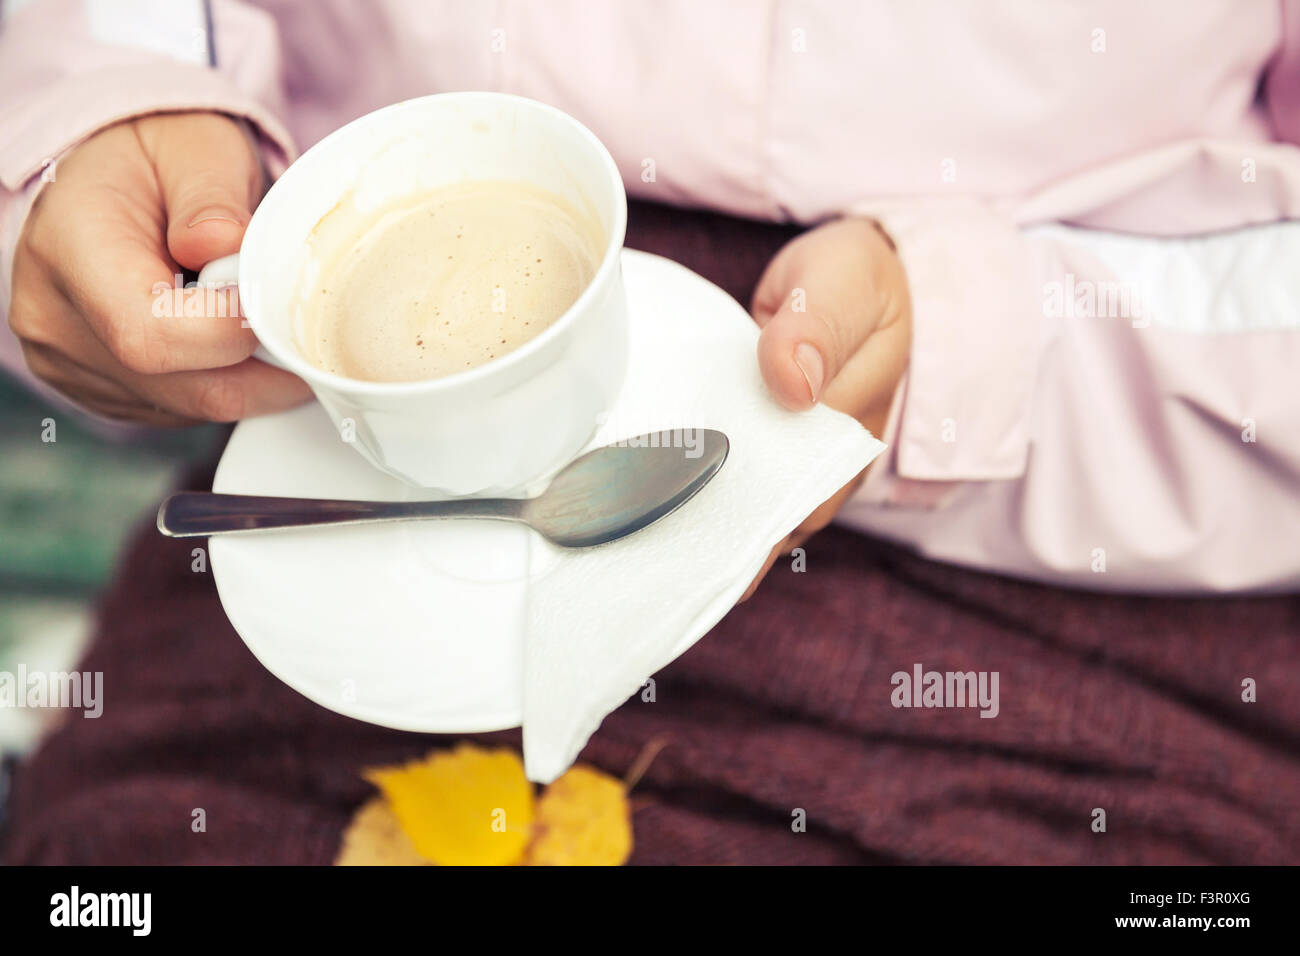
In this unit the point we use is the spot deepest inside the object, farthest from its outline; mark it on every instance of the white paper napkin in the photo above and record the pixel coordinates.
(603, 620)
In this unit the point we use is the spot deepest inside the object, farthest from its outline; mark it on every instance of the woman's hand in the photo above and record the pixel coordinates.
(126, 210)
(837, 328)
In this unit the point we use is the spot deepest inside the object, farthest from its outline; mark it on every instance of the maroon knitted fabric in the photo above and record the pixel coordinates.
(1128, 704)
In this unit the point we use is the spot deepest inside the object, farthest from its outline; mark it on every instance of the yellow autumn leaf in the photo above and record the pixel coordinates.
(464, 807)
(583, 819)
(375, 838)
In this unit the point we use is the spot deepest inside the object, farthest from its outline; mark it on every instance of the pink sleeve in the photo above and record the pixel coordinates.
(1095, 409)
(1282, 85)
(62, 79)
(974, 348)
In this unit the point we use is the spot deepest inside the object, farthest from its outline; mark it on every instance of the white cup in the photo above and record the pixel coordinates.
(493, 429)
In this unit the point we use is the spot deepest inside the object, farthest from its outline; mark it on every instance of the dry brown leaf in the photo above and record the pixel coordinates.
(583, 819)
(375, 838)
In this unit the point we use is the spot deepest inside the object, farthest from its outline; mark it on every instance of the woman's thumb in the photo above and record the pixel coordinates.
(820, 300)
(211, 180)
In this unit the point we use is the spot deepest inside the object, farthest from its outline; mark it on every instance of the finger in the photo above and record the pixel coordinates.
(63, 351)
(82, 385)
(815, 522)
(95, 393)
(132, 412)
(799, 353)
(767, 566)
(135, 413)
(118, 275)
(819, 301)
(864, 388)
(56, 345)
(211, 180)
(824, 315)
(224, 395)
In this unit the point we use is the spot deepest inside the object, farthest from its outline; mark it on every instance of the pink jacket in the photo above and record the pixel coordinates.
(1048, 426)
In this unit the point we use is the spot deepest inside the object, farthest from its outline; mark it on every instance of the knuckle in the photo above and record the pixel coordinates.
(22, 318)
(39, 363)
(133, 346)
(24, 313)
(221, 400)
(45, 228)
(39, 242)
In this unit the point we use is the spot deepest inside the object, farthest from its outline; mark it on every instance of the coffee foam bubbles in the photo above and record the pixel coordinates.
(445, 281)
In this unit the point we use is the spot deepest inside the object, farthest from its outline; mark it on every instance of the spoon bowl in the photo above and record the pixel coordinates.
(613, 491)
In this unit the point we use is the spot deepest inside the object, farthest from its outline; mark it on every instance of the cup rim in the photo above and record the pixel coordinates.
(294, 362)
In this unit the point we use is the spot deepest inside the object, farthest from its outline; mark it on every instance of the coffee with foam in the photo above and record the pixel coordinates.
(444, 281)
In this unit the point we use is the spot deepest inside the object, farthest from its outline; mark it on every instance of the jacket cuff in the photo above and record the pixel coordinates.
(76, 107)
(962, 411)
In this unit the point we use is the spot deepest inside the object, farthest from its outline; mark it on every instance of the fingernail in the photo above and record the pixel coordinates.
(810, 363)
(215, 214)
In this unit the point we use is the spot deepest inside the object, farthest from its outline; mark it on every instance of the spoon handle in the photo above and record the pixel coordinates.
(193, 514)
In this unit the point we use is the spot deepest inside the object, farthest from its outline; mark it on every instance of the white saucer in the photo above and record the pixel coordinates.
(417, 626)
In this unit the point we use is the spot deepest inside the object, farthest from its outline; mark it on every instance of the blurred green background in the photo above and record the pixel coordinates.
(65, 509)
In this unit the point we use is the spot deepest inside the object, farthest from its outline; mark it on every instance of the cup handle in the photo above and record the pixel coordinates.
(220, 272)
(223, 272)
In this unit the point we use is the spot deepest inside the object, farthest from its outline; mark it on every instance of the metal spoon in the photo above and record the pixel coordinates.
(604, 495)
